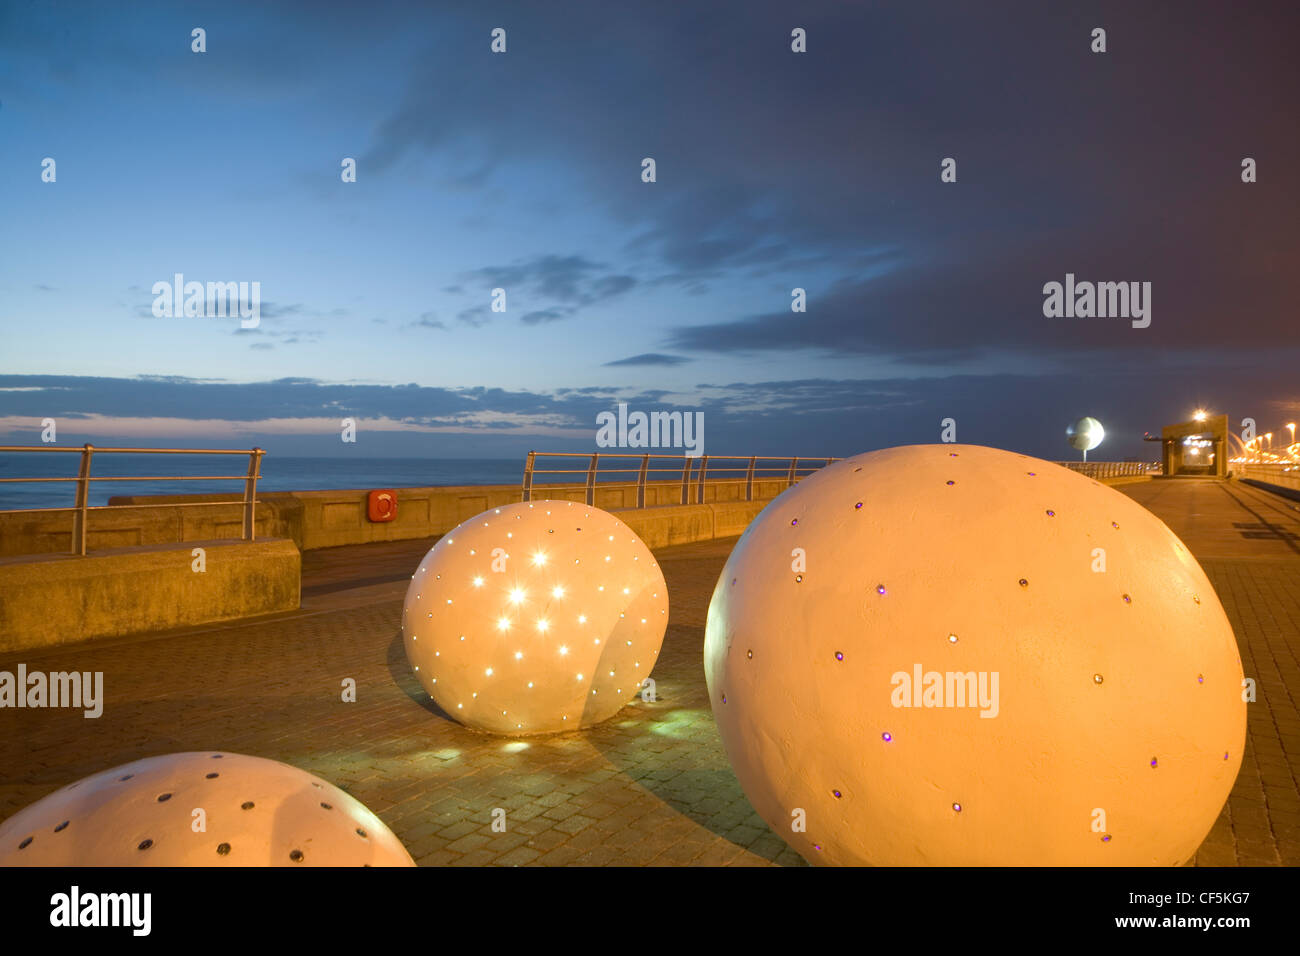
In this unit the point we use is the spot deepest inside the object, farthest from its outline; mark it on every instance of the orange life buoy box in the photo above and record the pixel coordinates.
(382, 505)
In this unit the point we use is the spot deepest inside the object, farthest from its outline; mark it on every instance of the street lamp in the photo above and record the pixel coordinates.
(1200, 415)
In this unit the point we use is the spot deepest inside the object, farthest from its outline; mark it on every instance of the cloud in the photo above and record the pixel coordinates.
(544, 315)
(570, 282)
(475, 316)
(860, 172)
(809, 416)
(650, 358)
(272, 310)
(430, 320)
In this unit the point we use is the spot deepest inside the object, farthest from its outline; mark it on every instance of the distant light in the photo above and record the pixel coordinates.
(1200, 415)
(563, 650)
(503, 624)
(557, 591)
(543, 625)
(539, 559)
(478, 582)
(516, 595)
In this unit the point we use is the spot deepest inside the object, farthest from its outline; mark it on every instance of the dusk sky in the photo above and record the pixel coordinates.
(523, 170)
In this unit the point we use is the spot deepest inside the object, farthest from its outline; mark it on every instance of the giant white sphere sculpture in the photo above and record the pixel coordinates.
(255, 812)
(1085, 434)
(535, 617)
(955, 655)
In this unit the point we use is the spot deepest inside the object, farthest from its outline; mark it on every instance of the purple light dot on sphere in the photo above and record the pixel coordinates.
(858, 506)
(793, 522)
(880, 589)
(1153, 761)
(1106, 838)
(957, 807)
(839, 655)
(887, 737)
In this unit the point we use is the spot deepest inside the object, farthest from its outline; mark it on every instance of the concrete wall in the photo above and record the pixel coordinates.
(1127, 479)
(61, 599)
(1278, 478)
(684, 524)
(126, 527)
(320, 519)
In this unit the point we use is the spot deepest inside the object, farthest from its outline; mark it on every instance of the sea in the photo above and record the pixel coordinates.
(279, 473)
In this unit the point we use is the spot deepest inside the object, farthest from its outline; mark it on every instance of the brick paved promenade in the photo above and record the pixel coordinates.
(1248, 542)
(650, 786)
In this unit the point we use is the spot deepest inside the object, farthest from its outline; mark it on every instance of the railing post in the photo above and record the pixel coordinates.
(686, 477)
(528, 475)
(640, 481)
(699, 486)
(250, 493)
(794, 466)
(591, 479)
(749, 479)
(83, 500)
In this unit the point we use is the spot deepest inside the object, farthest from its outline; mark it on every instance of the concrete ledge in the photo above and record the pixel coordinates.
(61, 599)
(1283, 490)
(686, 524)
(1126, 479)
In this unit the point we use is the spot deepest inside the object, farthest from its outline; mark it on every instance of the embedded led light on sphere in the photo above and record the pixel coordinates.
(956, 655)
(255, 812)
(535, 617)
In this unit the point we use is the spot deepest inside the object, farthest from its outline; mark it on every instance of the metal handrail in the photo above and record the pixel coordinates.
(82, 507)
(751, 468)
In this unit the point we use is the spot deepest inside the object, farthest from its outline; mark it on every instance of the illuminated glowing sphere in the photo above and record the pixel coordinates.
(535, 618)
(956, 655)
(254, 812)
(1085, 434)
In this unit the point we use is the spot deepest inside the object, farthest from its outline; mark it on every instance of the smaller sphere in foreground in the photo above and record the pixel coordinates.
(255, 812)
